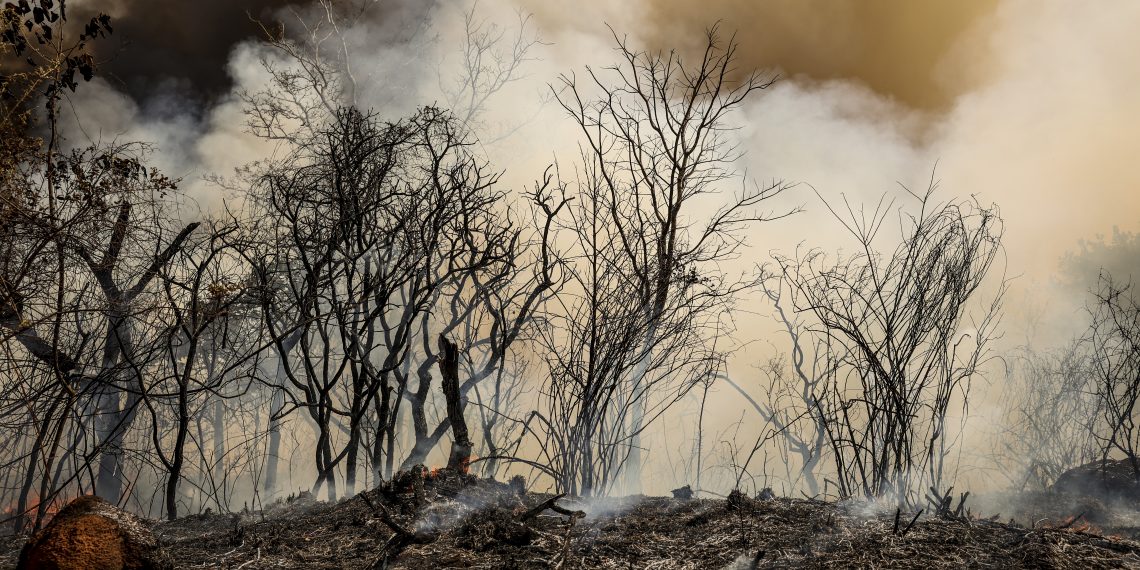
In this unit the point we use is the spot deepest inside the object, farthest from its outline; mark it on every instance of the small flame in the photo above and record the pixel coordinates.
(1071, 524)
(52, 508)
(464, 467)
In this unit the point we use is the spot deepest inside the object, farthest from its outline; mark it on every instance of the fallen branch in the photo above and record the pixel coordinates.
(912, 521)
(550, 504)
(406, 535)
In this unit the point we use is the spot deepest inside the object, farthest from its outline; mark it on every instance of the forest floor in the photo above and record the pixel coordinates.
(485, 524)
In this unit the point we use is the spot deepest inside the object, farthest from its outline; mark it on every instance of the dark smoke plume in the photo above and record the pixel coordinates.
(182, 47)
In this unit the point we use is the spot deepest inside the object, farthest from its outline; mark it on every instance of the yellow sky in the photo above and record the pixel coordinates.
(901, 49)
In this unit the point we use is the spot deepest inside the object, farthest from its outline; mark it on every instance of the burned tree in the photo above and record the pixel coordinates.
(208, 308)
(602, 373)
(1052, 413)
(900, 348)
(490, 61)
(86, 314)
(461, 446)
(347, 244)
(1114, 343)
(468, 269)
(379, 224)
(489, 312)
(46, 205)
(790, 385)
(656, 151)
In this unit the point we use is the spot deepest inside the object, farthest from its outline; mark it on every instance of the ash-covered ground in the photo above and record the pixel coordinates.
(456, 521)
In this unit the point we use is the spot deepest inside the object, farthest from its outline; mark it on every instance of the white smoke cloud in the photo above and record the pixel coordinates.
(1045, 125)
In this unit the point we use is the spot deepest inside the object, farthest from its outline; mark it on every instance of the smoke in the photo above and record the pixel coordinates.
(898, 49)
(184, 143)
(1048, 137)
(161, 43)
(1118, 256)
(174, 71)
(1029, 104)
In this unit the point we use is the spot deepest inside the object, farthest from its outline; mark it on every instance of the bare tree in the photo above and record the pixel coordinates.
(340, 254)
(900, 351)
(601, 372)
(380, 224)
(792, 382)
(203, 286)
(39, 210)
(108, 236)
(656, 150)
(1114, 343)
(492, 297)
(1051, 414)
(491, 60)
(320, 72)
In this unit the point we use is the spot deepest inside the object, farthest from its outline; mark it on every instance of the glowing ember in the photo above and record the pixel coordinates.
(12, 510)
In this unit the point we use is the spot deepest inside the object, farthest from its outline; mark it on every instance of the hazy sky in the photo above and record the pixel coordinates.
(1030, 104)
(897, 48)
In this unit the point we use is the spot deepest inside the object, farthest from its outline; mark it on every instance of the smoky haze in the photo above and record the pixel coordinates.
(1030, 105)
(897, 49)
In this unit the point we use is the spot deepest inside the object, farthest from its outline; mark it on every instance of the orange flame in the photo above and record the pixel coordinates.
(1070, 524)
(465, 464)
(464, 467)
(52, 508)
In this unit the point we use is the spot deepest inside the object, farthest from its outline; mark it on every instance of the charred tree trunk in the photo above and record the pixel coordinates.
(33, 462)
(274, 453)
(352, 457)
(112, 423)
(376, 453)
(449, 371)
(417, 402)
(175, 475)
(219, 467)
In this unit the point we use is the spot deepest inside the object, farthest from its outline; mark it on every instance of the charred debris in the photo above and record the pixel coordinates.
(448, 518)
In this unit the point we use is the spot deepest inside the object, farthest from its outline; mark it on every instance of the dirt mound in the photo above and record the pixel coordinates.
(91, 534)
(1107, 479)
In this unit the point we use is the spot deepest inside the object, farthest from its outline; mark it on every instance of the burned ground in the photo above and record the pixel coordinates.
(485, 524)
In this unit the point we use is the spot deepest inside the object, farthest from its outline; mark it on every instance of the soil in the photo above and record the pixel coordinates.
(456, 521)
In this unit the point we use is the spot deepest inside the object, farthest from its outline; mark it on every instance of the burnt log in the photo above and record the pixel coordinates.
(550, 504)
